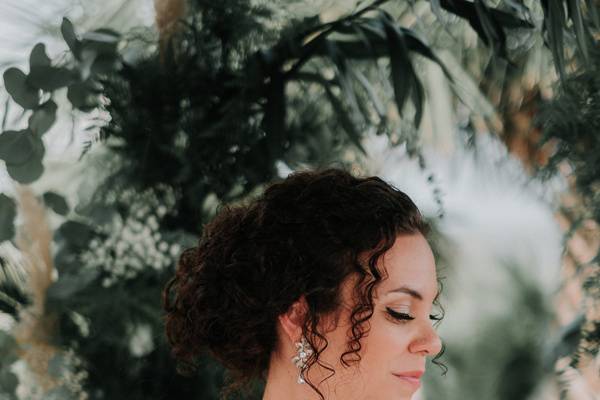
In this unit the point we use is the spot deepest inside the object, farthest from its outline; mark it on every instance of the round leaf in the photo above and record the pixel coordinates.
(8, 380)
(50, 78)
(22, 93)
(38, 56)
(43, 118)
(105, 63)
(19, 147)
(8, 345)
(83, 96)
(8, 212)
(28, 172)
(56, 202)
(75, 233)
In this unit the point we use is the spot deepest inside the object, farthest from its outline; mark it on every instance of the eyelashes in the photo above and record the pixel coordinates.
(404, 317)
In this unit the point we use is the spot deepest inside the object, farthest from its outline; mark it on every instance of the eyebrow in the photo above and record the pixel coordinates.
(407, 290)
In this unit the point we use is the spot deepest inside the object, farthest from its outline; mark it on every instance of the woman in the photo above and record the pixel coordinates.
(323, 287)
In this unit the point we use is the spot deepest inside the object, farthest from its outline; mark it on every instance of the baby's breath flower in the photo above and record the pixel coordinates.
(134, 242)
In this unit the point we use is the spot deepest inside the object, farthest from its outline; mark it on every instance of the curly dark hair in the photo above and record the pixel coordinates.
(304, 236)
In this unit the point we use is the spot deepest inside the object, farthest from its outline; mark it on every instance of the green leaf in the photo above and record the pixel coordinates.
(418, 94)
(580, 31)
(38, 56)
(100, 42)
(22, 152)
(12, 297)
(68, 33)
(8, 212)
(84, 95)
(491, 31)
(68, 285)
(50, 78)
(415, 43)
(342, 77)
(370, 91)
(19, 147)
(76, 233)
(8, 380)
(555, 21)
(26, 173)
(344, 119)
(402, 69)
(22, 93)
(56, 202)
(105, 63)
(8, 345)
(43, 118)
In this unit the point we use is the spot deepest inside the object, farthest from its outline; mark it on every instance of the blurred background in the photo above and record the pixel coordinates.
(126, 124)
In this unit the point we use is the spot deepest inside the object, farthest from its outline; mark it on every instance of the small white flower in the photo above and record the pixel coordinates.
(175, 249)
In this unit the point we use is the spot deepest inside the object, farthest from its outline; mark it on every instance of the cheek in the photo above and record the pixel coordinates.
(386, 340)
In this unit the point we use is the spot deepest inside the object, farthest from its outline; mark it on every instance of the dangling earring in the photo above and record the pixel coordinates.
(304, 350)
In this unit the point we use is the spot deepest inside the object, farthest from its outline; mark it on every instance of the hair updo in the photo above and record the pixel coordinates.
(303, 236)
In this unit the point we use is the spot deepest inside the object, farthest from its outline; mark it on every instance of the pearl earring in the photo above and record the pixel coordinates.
(304, 350)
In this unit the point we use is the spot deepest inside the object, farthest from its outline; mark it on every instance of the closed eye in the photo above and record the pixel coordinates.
(407, 317)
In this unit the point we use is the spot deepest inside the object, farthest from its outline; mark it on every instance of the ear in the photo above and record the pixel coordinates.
(293, 319)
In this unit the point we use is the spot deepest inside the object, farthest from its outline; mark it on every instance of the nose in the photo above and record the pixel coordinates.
(427, 341)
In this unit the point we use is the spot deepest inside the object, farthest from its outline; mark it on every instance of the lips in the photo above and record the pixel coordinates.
(411, 377)
(411, 374)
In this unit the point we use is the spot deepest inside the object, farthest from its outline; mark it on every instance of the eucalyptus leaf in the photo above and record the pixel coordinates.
(8, 212)
(26, 173)
(19, 147)
(83, 95)
(38, 56)
(43, 118)
(8, 344)
(99, 46)
(105, 63)
(75, 233)
(8, 380)
(50, 78)
(22, 93)
(56, 202)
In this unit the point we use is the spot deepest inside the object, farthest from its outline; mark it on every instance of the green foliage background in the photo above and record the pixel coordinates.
(207, 119)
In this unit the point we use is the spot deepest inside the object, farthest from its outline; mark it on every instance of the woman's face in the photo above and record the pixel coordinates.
(400, 335)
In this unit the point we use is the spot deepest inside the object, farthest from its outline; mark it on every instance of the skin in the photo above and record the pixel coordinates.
(390, 347)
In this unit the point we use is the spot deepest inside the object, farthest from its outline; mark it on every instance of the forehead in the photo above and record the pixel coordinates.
(409, 263)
